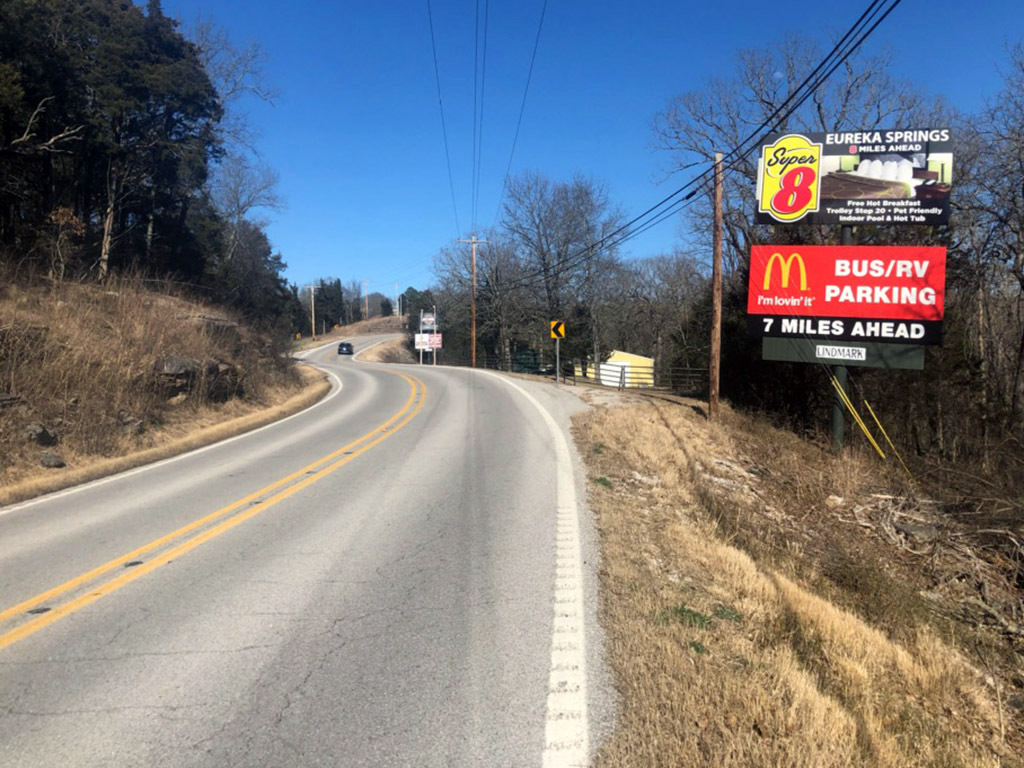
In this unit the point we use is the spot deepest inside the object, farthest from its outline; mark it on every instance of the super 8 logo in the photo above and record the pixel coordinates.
(788, 177)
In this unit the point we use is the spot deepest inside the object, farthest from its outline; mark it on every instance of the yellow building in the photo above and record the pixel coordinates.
(621, 368)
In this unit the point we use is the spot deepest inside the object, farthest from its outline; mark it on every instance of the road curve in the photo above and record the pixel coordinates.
(388, 578)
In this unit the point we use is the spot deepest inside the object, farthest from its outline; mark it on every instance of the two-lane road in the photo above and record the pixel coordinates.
(396, 576)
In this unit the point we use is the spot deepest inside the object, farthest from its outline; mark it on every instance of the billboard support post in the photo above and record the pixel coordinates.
(840, 372)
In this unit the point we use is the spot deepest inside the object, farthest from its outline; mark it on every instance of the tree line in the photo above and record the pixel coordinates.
(965, 407)
(122, 148)
(538, 264)
(338, 303)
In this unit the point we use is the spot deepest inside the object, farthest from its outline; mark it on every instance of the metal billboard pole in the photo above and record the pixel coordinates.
(840, 372)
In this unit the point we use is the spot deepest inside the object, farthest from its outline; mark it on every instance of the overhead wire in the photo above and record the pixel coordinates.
(658, 213)
(480, 121)
(444, 127)
(522, 109)
(840, 52)
(846, 52)
(841, 394)
(806, 88)
(476, 83)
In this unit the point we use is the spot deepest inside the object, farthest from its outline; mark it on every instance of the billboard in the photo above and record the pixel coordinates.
(861, 293)
(856, 177)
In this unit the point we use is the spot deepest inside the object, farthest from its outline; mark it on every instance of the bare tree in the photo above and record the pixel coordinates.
(235, 73)
(554, 226)
(30, 142)
(506, 309)
(241, 187)
(990, 237)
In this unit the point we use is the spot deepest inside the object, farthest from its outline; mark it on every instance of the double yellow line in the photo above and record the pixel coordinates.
(281, 490)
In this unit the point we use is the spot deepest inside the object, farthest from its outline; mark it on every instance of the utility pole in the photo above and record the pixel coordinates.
(716, 295)
(366, 294)
(472, 327)
(312, 311)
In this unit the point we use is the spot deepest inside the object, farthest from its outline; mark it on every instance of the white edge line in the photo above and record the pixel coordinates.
(567, 723)
(145, 467)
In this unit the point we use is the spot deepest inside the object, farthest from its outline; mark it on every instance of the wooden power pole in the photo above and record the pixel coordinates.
(312, 311)
(716, 295)
(472, 323)
(366, 298)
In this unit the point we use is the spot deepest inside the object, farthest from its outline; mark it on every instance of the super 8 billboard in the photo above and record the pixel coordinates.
(876, 293)
(863, 176)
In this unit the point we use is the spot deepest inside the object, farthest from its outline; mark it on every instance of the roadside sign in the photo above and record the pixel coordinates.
(433, 340)
(429, 320)
(868, 354)
(789, 178)
(849, 293)
(856, 177)
(422, 340)
(557, 329)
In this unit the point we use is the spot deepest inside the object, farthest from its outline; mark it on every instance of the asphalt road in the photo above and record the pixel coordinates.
(399, 576)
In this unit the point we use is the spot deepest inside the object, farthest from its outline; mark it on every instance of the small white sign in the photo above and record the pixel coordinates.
(422, 340)
(835, 352)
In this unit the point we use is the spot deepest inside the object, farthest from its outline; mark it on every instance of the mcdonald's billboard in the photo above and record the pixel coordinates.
(861, 293)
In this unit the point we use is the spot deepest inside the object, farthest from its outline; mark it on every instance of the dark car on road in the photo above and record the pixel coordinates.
(345, 348)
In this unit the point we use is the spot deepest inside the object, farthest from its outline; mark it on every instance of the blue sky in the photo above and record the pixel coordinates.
(356, 134)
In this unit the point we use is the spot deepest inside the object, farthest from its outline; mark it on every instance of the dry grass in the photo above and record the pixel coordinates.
(725, 642)
(82, 359)
(182, 433)
(394, 351)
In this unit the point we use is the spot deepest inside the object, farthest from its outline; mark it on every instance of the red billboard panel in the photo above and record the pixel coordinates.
(847, 292)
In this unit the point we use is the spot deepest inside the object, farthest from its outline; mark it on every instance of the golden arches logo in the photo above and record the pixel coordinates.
(785, 266)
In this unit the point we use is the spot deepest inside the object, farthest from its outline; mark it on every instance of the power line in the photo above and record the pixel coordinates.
(522, 109)
(476, 81)
(483, 93)
(864, 19)
(847, 53)
(770, 122)
(444, 127)
(808, 87)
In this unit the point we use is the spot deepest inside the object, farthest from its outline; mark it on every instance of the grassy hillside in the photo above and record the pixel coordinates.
(93, 371)
(767, 603)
